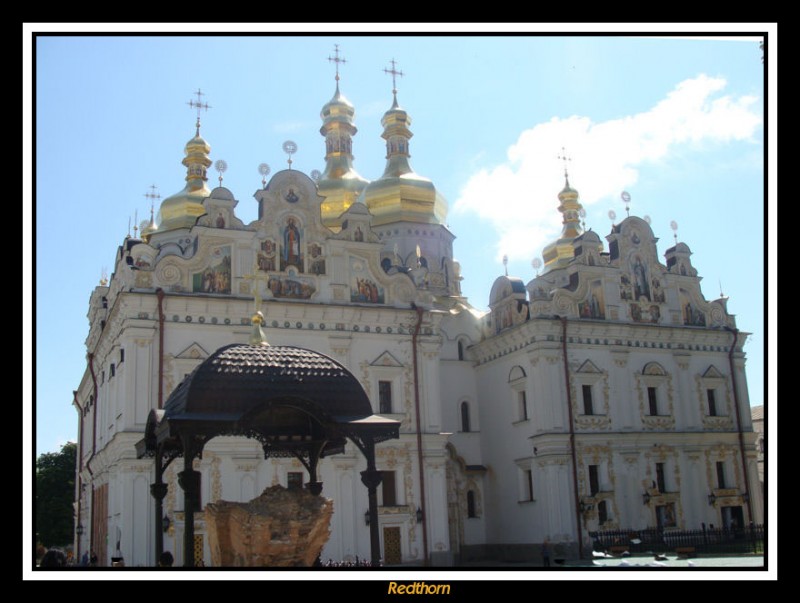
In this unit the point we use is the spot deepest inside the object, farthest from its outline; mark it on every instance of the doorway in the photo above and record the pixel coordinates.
(391, 546)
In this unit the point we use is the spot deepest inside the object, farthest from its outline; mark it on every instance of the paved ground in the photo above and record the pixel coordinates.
(637, 561)
(750, 561)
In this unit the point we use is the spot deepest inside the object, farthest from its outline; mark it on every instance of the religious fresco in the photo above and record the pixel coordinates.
(642, 312)
(363, 288)
(594, 304)
(657, 291)
(291, 196)
(266, 256)
(691, 315)
(220, 221)
(143, 263)
(641, 284)
(291, 287)
(216, 277)
(540, 293)
(317, 262)
(625, 287)
(291, 247)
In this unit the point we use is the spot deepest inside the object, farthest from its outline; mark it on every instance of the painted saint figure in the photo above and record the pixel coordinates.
(641, 286)
(291, 246)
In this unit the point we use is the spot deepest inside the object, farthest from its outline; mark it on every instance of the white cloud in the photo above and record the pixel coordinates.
(607, 157)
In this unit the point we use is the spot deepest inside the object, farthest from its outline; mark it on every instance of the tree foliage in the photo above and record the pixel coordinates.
(55, 492)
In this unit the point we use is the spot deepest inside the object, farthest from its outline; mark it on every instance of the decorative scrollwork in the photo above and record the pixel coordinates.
(168, 274)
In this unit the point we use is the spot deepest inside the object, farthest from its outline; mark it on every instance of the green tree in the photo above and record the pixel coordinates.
(55, 491)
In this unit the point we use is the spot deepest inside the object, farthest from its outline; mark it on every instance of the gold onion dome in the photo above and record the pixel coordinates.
(340, 184)
(559, 253)
(401, 195)
(182, 209)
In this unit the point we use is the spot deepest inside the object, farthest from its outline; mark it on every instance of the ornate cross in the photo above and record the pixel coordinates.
(565, 159)
(199, 105)
(336, 59)
(394, 73)
(152, 194)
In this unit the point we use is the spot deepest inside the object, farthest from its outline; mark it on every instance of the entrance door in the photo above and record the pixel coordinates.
(732, 518)
(391, 546)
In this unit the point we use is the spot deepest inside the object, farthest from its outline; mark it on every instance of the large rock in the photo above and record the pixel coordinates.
(280, 528)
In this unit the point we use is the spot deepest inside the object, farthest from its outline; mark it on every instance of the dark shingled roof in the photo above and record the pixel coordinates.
(239, 377)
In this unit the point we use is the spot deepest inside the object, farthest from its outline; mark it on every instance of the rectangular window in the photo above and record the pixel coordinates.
(294, 480)
(523, 405)
(113, 370)
(594, 480)
(529, 484)
(721, 475)
(587, 400)
(662, 485)
(471, 504)
(712, 402)
(121, 355)
(388, 489)
(652, 399)
(385, 396)
(602, 512)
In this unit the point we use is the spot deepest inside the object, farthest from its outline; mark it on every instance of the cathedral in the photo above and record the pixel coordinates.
(605, 393)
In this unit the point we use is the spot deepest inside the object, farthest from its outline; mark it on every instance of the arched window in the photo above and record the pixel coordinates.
(465, 416)
(460, 349)
(471, 504)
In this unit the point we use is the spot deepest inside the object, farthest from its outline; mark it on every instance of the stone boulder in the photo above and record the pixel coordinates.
(279, 528)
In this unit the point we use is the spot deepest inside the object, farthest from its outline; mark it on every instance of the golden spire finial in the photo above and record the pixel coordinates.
(151, 227)
(394, 73)
(135, 219)
(257, 337)
(103, 277)
(336, 59)
(505, 264)
(199, 105)
(565, 159)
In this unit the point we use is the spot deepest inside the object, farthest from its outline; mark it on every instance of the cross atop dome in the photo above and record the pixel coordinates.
(394, 73)
(199, 105)
(336, 59)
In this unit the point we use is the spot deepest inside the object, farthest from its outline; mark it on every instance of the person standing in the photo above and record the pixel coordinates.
(546, 553)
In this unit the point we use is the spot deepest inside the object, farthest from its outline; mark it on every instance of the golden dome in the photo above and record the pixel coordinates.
(340, 184)
(559, 253)
(401, 195)
(182, 209)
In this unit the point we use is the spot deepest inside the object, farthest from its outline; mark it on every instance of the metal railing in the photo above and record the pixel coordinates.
(715, 541)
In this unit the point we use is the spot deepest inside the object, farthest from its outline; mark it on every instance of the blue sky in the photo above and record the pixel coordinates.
(677, 122)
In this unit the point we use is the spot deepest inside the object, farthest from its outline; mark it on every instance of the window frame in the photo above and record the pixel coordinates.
(466, 423)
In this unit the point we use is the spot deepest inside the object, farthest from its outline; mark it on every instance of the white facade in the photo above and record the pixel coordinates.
(500, 459)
